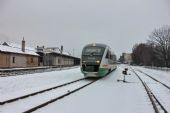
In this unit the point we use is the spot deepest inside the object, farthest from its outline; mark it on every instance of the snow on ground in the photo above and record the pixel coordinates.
(163, 76)
(161, 92)
(32, 101)
(15, 86)
(105, 96)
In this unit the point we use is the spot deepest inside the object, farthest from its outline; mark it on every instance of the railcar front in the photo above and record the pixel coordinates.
(92, 58)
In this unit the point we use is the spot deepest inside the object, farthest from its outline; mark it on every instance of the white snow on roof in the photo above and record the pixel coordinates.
(19, 46)
(16, 48)
(49, 50)
(66, 53)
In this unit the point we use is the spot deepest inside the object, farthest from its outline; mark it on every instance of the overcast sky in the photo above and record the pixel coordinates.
(75, 23)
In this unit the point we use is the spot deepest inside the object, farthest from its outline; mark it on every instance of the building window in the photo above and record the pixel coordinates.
(32, 60)
(59, 61)
(13, 59)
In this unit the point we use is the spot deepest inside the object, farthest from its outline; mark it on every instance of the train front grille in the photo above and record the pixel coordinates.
(90, 68)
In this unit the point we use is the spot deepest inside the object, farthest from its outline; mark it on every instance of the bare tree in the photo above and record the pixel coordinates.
(160, 38)
(142, 54)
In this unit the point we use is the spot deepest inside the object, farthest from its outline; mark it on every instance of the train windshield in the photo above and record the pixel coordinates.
(93, 50)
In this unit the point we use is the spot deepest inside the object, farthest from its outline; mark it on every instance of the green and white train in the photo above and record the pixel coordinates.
(97, 60)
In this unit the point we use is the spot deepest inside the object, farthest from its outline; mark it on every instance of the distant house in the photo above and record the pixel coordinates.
(51, 56)
(14, 55)
(127, 58)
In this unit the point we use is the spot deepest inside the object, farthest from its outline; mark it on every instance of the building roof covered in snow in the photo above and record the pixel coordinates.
(55, 50)
(17, 48)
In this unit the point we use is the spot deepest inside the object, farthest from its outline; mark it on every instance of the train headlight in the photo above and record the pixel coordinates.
(98, 61)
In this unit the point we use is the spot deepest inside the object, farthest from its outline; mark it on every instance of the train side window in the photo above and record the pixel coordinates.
(107, 55)
(111, 57)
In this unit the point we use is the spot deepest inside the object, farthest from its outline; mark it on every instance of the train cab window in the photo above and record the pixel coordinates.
(93, 50)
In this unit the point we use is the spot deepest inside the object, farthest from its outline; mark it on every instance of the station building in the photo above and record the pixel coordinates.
(53, 56)
(17, 55)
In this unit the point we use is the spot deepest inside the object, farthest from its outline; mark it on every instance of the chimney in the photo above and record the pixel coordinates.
(23, 45)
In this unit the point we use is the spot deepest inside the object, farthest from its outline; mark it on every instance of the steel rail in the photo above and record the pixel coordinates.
(60, 97)
(55, 99)
(151, 96)
(155, 79)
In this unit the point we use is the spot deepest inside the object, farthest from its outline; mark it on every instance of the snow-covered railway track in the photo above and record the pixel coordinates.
(168, 87)
(59, 97)
(40, 99)
(39, 92)
(156, 103)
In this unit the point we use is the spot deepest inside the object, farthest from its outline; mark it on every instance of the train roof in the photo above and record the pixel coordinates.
(100, 45)
(97, 44)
